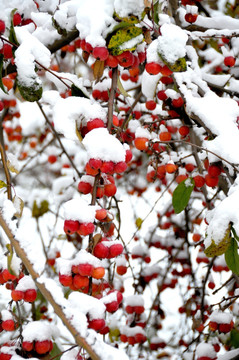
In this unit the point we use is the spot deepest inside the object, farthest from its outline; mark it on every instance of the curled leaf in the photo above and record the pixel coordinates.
(19, 205)
(38, 211)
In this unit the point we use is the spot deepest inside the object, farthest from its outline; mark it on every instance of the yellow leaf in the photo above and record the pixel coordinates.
(11, 167)
(219, 249)
(121, 88)
(125, 39)
(138, 223)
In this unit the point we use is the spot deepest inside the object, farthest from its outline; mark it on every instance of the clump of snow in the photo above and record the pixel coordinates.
(30, 49)
(220, 217)
(142, 133)
(6, 315)
(93, 24)
(87, 304)
(206, 350)
(38, 330)
(100, 144)
(172, 43)
(70, 112)
(134, 300)
(127, 7)
(221, 317)
(25, 283)
(78, 209)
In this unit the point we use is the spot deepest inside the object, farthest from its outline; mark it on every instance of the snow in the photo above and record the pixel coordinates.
(134, 300)
(221, 317)
(30, 49)
(172, 43)
(87, 304)
(72, 111)
(25, 283)
(38, 330)
(78, 209)
(206, 349)
(100, 144)
(220, 217)
(127, 7)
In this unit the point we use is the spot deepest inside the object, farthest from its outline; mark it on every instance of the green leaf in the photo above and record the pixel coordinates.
(234, 338)
(76, 91)
(125, 39)
(12, 34)
(181, 194)
(38, 211)
(1, 66)
(30, 93)
(2, 184)
(232, 257)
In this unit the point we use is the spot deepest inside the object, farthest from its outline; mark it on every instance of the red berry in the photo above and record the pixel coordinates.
(110, 190)
(115, 250)
(128, 156)
(100, 214)
(183, 130)
(30, 295)
(153, 68)
(94, 124)
(100, 53)
(96, 94)
(111, 61)
(161, 95)
(17, 19)
(107, 167)
(2, 26)
(178, 102)
(211, 181)
(101, 251)
(84, 187)
(1, 105)
(65, 280)
(97, 324)
(8, 325)
(112, 306)
(121, 269)
(229, 61)
(95, 163)
(43, 347)
(120, 167)
(86, 229)
(214, 170)
(150, 104)
(27, 345)
(191, 18)
(85, 269)
(4, 356)
(7, 51)
(165, 136)
(80, 282)
(199, 180)
(71, 226)
(125, 59)
(17, 295)
(52, 159)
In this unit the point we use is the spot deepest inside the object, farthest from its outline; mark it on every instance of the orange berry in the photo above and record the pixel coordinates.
(98, 272)
(170, 168)
(165, 136)
(141, 143)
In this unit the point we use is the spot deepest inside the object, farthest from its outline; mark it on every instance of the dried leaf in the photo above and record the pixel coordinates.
(98, 69)
(2, 184)
(19, 206)
(11, 167)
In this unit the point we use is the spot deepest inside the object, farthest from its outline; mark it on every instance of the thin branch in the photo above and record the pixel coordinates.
(6, 171)
(112, 96)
